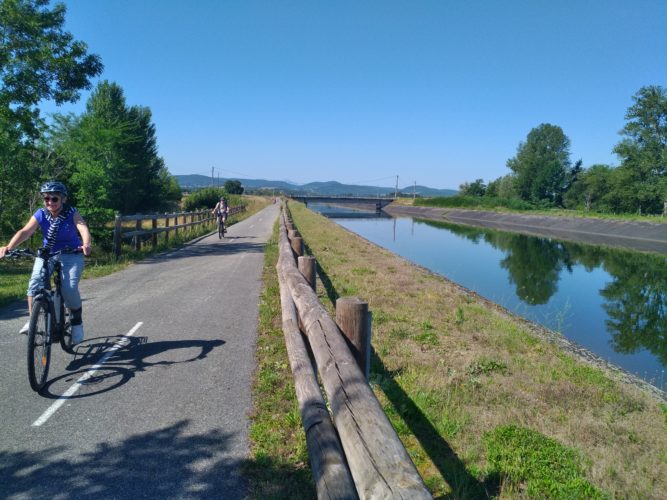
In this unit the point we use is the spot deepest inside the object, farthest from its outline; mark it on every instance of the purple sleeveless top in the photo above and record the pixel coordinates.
(59, 232)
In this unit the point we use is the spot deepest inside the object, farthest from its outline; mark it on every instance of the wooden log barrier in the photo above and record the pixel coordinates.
(327, 460)
(380, 465)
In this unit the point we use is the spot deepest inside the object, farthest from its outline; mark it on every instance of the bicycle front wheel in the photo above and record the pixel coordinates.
(39, 345)
(221, 229)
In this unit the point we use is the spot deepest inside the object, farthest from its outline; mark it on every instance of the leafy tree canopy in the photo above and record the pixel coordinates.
(39, 60)
(542, 165)
(233, 187)
(112, 156)
(641, 180)
(477, 188)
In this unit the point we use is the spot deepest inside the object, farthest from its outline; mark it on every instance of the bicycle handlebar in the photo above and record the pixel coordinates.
(21, 252)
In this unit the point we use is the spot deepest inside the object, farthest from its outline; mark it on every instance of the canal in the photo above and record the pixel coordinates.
(612, 302)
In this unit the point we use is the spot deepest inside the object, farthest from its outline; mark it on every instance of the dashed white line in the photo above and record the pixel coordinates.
(75, 387)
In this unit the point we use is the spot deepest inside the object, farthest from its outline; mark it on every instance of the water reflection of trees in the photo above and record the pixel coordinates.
(637, 303)
(635, 298)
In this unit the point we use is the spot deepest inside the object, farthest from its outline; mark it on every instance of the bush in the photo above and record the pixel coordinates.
(486, 202)
(204, 198)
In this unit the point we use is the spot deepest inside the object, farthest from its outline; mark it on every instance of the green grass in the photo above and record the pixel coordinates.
(529, 463)
(450, 368)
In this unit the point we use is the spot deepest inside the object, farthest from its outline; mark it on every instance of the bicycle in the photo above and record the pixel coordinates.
(221, 227)
(49, 319)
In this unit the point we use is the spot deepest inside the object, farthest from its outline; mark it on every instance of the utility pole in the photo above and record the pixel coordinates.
(212, 177)
(414, 190)
(396, 193)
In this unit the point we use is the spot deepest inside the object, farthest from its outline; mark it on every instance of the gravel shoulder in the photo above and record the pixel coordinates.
(632, 235)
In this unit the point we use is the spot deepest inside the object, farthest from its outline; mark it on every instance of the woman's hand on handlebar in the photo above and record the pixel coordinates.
(85, 249)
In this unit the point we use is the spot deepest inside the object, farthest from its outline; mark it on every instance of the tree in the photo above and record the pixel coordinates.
(39, 60)
(502, 187)
(233, 187)
(476, 188)
(642, 176)
(542, 165)
(112, 155)
(591, 188)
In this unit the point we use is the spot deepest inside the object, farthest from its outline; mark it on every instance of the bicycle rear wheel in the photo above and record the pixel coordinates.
(39, 345)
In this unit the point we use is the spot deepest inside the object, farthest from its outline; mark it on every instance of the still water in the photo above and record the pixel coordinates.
(613, 302)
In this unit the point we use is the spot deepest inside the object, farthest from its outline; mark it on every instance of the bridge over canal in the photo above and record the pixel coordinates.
(358, 201)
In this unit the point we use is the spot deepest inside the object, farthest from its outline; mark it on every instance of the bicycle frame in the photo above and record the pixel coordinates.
(52, 296)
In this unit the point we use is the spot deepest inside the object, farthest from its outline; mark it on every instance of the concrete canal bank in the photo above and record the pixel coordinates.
(632, 235)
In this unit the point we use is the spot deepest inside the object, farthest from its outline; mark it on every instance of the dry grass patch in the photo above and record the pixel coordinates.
(453, 371)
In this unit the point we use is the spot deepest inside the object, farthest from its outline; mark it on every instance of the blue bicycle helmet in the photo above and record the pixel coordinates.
(54, 187)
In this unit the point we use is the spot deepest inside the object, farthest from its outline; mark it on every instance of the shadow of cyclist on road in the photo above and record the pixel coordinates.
(134, 355)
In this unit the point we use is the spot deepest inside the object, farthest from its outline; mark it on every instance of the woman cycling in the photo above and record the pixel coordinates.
(221, 209)
(62, 227)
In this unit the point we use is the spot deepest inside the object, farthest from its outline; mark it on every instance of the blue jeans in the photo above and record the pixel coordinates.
(71, 275)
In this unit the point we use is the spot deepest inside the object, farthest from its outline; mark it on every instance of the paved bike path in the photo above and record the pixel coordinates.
(166, 414)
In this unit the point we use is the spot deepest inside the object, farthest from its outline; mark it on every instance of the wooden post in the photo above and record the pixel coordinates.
(117, 236)
(154, 235)
(307, 267)
(137, 240)
(297, 246)
(166, 233)
(353, 319)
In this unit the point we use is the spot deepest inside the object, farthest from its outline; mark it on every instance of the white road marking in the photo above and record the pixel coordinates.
(75, 387)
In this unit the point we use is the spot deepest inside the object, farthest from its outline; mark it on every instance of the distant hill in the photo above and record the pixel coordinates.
(329, 188)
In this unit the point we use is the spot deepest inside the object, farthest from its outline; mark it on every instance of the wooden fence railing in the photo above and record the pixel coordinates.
(172, 222)
(363, 446)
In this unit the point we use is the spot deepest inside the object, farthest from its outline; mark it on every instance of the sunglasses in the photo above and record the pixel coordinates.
(54, 199)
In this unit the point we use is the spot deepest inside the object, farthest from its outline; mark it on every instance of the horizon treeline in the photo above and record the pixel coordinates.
(543, 176)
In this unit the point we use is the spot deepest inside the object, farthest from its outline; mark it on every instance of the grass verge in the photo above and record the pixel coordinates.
(485, 406)
(278, 467)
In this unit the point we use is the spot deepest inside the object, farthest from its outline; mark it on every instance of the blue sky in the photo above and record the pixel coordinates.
(434, 92)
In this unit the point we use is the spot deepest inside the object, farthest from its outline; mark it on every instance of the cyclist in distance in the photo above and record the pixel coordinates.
(62, 227)
(221, 209)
